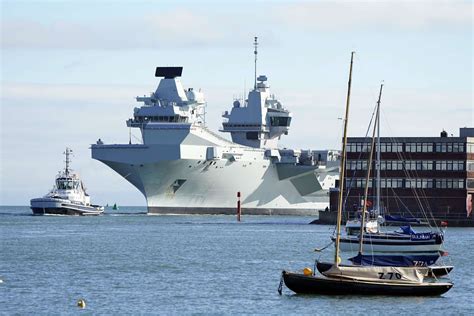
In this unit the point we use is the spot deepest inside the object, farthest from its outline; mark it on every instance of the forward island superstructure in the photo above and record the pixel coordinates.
(182, 167)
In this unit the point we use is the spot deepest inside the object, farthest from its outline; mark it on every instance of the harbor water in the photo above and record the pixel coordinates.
(127, 262)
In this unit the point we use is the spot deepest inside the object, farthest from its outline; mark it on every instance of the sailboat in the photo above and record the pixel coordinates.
(404, 241)
(340, 279)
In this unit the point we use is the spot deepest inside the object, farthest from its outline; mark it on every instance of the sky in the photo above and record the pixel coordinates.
(70, 72)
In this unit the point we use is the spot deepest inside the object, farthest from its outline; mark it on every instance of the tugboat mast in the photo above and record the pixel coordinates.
(68, 160)
(255, 44)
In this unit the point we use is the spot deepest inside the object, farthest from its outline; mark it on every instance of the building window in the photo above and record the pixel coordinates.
(451, 165)
(458, 165)
(456, 147)
(470, 183)
(427, 147)
(470, 147)
(399, 183)
(427, 183)
(427, 165)
(458, 184)
(470, 166)
(451, 183)
(440, 147)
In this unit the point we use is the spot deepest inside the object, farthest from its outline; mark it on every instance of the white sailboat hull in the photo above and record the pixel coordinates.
(351, 244)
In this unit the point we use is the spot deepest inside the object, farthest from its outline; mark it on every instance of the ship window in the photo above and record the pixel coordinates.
(67, 184)
(280, 121)
(252, 135)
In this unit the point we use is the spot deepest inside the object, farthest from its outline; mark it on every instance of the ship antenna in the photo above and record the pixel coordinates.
(255, 44)
(68, 160)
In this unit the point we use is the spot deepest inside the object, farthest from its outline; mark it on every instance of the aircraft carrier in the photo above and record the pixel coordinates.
(182, 167)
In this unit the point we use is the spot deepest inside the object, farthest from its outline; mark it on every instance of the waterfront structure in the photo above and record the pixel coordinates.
(426, 177)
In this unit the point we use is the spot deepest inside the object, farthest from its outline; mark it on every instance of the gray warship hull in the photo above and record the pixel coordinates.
(201, 179)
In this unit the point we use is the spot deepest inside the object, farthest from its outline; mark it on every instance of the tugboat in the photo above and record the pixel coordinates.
(68, 196)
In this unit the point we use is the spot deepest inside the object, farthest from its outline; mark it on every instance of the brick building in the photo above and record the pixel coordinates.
(419, 175)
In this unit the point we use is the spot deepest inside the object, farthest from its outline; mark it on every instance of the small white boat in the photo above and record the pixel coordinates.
(68, 196)
(371, 225)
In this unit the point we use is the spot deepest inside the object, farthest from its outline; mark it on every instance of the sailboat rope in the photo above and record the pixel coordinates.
(352, 179)
(418, 193)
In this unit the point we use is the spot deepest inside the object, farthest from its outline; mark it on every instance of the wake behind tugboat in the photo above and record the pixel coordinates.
(68, 196)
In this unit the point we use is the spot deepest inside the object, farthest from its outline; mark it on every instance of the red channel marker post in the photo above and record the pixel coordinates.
(238, 207)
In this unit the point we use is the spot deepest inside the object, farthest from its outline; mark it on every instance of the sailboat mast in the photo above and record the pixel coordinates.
(367, 179)
(377, 205)
(343, 166)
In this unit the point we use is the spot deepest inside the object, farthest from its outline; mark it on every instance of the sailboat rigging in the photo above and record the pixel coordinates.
(426, 244)
(338, 279)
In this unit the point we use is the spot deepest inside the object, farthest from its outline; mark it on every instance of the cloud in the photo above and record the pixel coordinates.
(178, 27)
(191, 27)
(65, 93)
(372, 15)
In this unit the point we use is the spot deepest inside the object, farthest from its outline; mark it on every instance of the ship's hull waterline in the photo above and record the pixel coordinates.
(53, 206)
(192, 186)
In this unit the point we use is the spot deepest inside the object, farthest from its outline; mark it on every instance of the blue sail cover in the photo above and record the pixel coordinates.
(407, 230)
(420, 260)
(401, 219)
(437, 237)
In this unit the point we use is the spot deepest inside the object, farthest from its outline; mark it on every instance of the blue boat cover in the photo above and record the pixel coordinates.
(421, 260)
(401, 219)
(407, 230)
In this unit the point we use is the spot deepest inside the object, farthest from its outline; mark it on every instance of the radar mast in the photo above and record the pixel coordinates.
(255, 44)
(68, 160)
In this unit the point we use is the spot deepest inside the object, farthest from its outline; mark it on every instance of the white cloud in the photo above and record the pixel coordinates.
(375, 15)
(200, 27)
(179, 27)
(31, 92)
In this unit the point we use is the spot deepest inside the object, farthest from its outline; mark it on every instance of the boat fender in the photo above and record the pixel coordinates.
(338, 260)
(307, 271)
(81, 303)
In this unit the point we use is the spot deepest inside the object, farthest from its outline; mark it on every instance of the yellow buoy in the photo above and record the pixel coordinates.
(81, 303)
(307, 271)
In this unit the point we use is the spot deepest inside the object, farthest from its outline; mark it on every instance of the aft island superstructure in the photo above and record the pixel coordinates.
(182, 167)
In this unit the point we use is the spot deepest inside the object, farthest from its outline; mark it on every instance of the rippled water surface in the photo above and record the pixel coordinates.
(127, 262)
